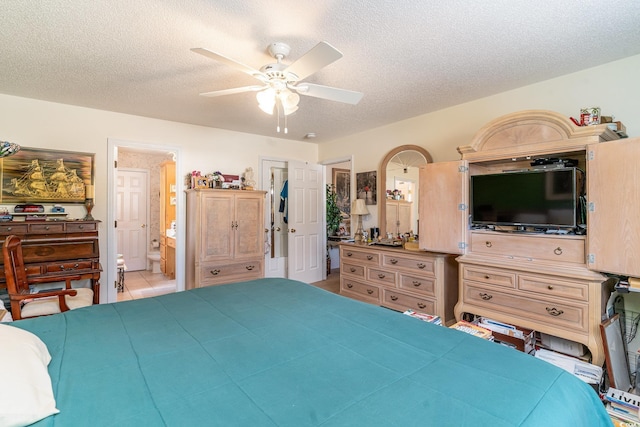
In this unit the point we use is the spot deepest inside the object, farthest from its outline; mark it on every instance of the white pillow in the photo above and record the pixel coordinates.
(26, 395)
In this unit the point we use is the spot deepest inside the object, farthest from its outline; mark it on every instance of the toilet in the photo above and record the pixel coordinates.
(154, 257)
(154, 262)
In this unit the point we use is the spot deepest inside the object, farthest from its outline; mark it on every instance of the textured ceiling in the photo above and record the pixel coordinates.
(407, 57)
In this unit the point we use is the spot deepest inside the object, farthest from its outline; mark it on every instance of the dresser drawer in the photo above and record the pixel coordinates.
(553, 287)
(489, 276)
(366, 291)
(384, 277)
(352, 269)
(361, 256)
(81, 227)
(530, 247)
(218, 273)
(402, 301)
(416, 264)
(574, 317)
(418, 284)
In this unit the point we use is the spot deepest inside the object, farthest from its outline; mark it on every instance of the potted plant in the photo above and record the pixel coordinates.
(334, 217)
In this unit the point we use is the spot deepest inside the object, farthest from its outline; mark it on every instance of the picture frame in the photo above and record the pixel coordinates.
(615, 350)
(341, 179)
(35, 175)
(366, 187)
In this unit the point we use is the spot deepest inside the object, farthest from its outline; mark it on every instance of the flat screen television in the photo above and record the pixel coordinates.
(537, 198)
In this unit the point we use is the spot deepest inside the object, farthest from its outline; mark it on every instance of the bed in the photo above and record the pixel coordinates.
(276, 352)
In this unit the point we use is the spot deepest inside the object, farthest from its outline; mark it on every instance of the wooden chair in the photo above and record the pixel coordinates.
(25, 304)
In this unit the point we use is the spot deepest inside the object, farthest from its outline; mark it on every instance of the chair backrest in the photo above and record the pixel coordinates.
(14, 270)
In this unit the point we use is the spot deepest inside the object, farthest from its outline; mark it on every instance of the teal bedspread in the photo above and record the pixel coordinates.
(275, 352)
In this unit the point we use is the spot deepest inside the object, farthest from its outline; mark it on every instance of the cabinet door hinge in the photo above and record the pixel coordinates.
(591, 259)
(462, 207)
(115, 224)
(115, 164)
(462, 245)
(592, 207)
(463, 168)
(591, 155)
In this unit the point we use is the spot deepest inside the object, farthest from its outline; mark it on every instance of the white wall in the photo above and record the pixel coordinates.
(40, 124)
(614, 87)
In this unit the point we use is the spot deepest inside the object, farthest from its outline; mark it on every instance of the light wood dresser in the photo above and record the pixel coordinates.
(400, 279)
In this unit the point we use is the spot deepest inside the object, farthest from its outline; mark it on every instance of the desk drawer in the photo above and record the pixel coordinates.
(68, 266)
(418, 284)
(574, 317)
(401, 301)
(81, 227)
(415, 264)
(46, 228)
(489, 276)
(17, 229)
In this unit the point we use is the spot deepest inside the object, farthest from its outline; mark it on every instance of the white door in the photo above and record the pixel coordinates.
(132, 202)
(274, 176)
(306, 222)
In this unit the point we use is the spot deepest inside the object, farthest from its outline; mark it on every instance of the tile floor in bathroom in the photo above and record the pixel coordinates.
(144, 284)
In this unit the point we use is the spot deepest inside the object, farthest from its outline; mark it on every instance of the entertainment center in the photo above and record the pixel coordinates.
(549, 279)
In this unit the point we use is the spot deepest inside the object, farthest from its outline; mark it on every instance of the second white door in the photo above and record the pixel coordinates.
(132, 201)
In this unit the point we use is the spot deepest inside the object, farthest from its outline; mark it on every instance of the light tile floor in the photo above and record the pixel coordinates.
(144, 284)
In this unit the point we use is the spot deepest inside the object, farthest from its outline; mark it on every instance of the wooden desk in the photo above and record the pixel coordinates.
(57, 249)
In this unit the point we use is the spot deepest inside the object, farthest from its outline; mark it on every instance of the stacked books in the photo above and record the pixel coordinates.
(623, 407)
(472, 329)
(431, 318)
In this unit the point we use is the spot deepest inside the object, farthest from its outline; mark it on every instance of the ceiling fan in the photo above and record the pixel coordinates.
(281, 83)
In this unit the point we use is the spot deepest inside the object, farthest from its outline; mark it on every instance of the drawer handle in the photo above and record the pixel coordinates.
(352, 269)
(550, 287)
(488, 244)
(349, 285)
(558, 251)
(381, 276)
(487, 277)
(215, 272)
(46, 227)
(421, 265)
(75, 266)
(369, 291)
(554, 311)
(393, 298)
(250, 267)
(9, 228)
(485, 296)
(369, 257)
(349, 254)
(421, 305)
(416, 283)
(81, 227)
(393, 261)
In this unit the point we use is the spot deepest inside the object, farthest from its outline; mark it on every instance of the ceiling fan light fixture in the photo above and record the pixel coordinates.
(266, 100)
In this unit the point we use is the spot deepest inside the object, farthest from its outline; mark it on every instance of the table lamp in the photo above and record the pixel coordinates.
(359, 208)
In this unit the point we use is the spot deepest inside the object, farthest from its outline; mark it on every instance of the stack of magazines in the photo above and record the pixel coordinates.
(425, 317)
(623, 407)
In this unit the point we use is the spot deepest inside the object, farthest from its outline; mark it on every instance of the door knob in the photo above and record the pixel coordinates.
(143, 225)
(293, 230)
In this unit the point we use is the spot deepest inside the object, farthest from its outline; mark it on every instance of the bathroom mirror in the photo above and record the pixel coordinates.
(399, 170)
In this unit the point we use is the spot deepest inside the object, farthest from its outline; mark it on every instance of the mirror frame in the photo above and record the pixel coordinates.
(382, 185)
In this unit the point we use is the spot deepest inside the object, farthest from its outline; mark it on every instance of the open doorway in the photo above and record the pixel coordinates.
(339, 177)
(145, 218)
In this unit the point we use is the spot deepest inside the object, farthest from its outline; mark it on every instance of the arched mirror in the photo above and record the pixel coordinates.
(399, 189)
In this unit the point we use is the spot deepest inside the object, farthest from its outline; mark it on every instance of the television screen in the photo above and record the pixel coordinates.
(544, 198)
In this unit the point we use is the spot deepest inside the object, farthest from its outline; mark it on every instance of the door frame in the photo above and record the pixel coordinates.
(112, 243)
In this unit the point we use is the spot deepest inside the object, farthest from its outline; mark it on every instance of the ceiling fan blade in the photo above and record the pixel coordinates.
(319, 57)
(330, 93)
(254, 88)
(231, 63)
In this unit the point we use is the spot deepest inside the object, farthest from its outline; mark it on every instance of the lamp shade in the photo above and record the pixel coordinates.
(359, 207)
